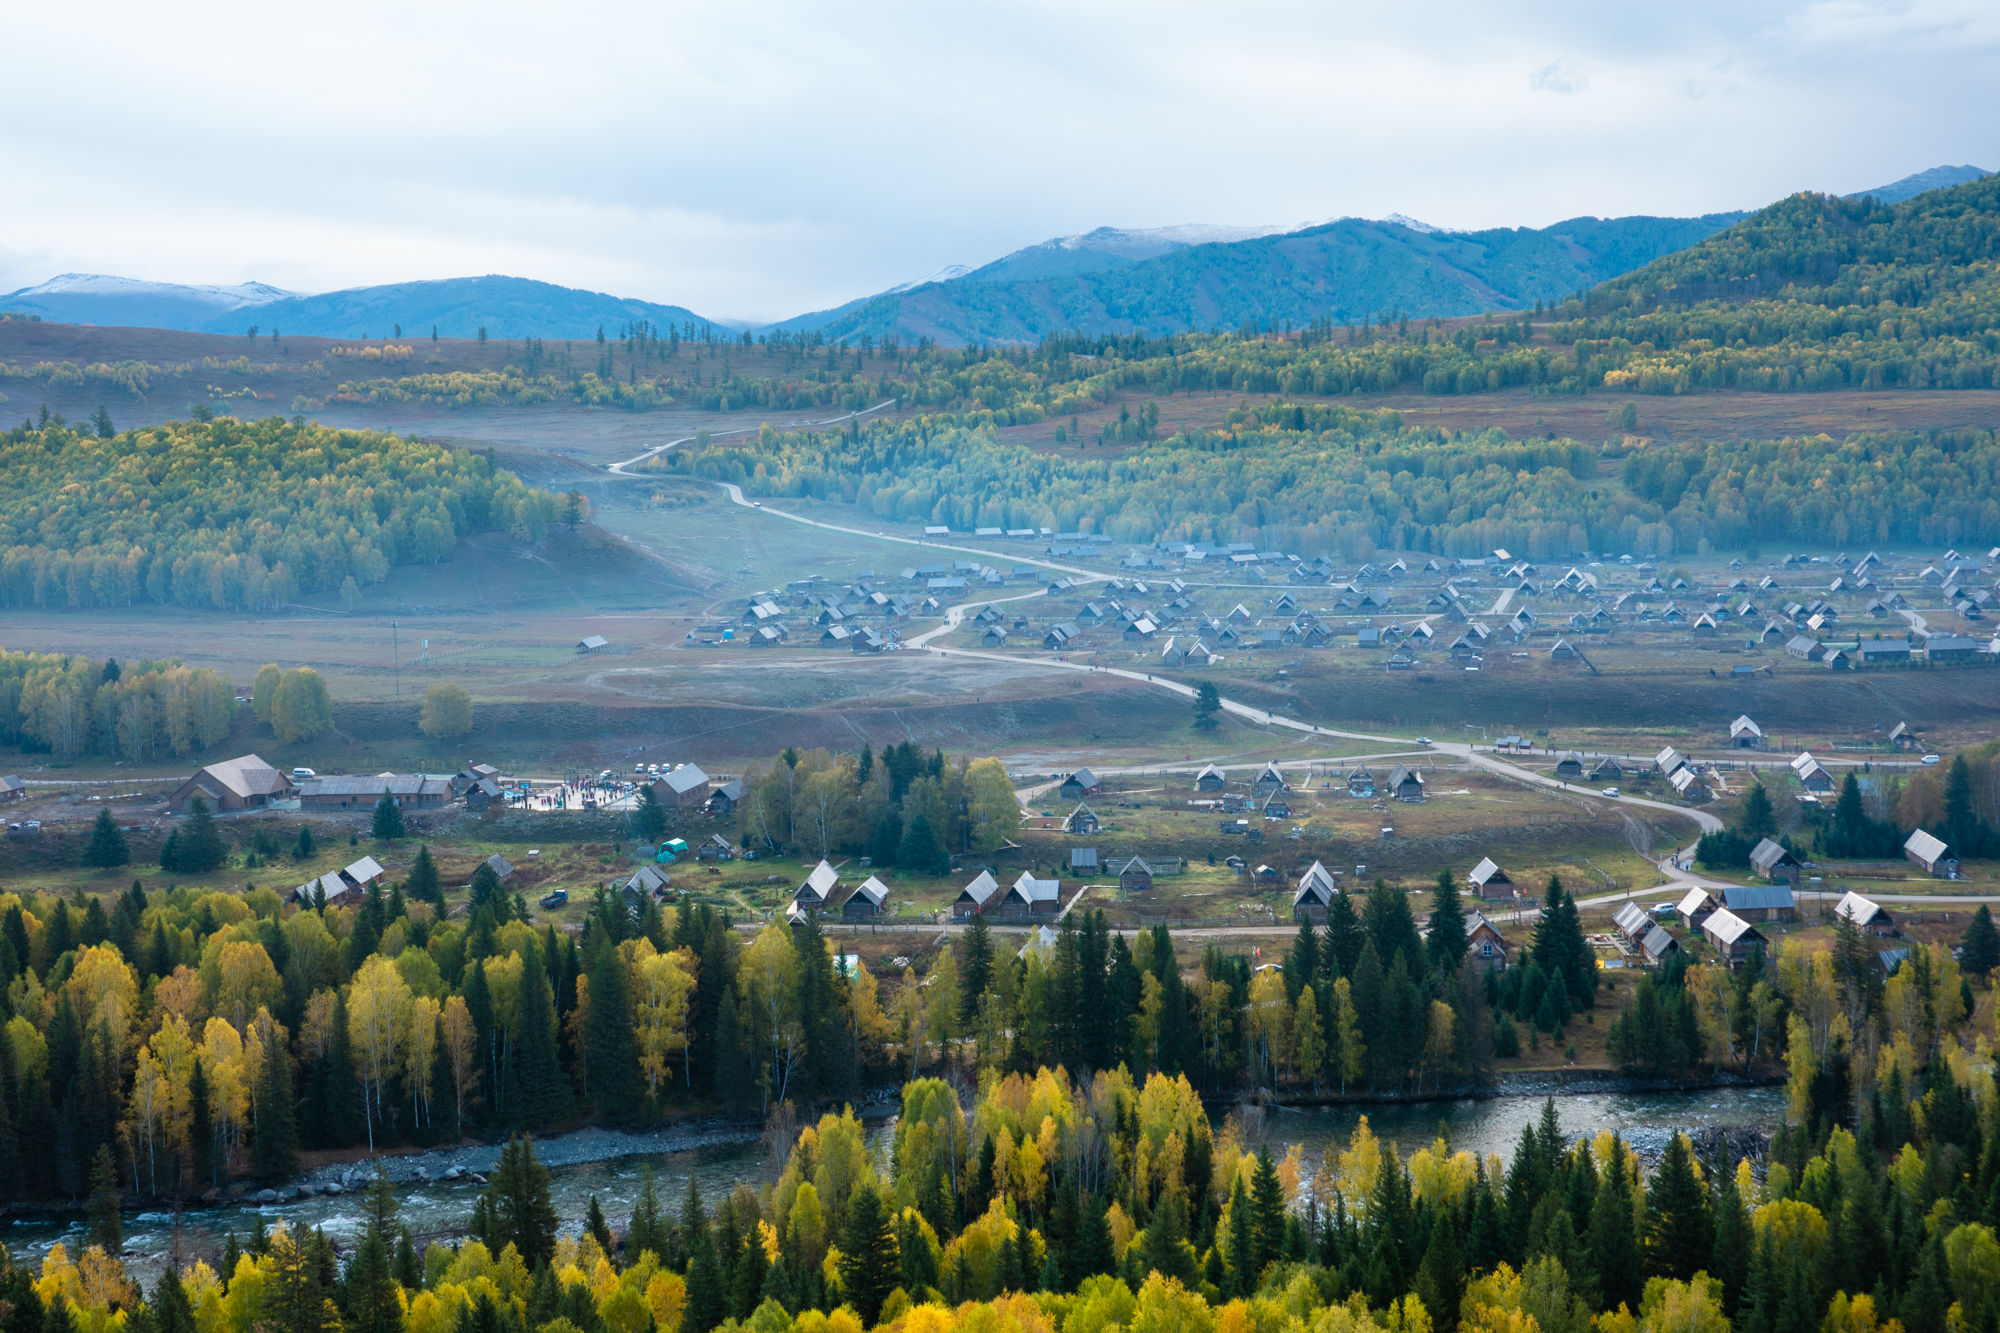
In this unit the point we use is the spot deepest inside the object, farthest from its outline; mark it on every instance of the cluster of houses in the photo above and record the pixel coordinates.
(1318, 886)
(248, 783)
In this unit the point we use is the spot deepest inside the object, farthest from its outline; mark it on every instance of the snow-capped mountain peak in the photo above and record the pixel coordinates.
(102, 284)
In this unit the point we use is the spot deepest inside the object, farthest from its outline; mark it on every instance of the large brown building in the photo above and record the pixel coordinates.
(243, 783)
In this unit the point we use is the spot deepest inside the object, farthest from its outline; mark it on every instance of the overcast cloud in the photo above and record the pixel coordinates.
(758, 161)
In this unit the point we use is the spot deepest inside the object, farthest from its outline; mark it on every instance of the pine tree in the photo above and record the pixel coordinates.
(707, 1301)
(1680, 1236)
(1447, 942)
(1441, 1276)
(372, 1298)
(340, 1104)
(613, 1068)
(599, 1229)
(197, 844)
(172, 1311)
(1267, 1202)
(1344, 935)
(921, 850)
(1614, 1245)
(274, 1153)
(1980, 949)
(1302, 962)
(518, 1196)
(1207, 704)
(201, 1132)
(976, 976)
(1166, 1250)
(869, 1265)
(543, 1091)
(105, 1229)
(303, 847)
(647, 1231)
(424, 884)
(107, 846)
(388, 822)
(1733, 1242)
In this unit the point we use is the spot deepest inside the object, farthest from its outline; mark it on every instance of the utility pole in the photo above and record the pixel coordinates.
(396, 659)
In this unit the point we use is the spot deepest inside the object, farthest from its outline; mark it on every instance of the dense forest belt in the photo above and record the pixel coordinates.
(701, 731)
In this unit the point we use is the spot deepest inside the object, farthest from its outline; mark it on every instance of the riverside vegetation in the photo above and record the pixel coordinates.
(1095, 1200)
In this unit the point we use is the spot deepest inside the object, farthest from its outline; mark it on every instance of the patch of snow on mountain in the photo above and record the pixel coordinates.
(949, 273)
(100, 284)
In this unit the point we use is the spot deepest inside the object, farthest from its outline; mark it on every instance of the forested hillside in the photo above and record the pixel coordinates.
(235, 515)
(1315, 479)
(1343, 272)
(1811, 293)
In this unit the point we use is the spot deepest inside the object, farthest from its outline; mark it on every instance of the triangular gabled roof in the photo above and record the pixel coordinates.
(1316, 886)
(818, 884)
(982, 887)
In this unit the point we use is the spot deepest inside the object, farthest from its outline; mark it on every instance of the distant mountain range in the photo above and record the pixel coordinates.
(1937, 178)
(1162, 280)
(92, 298)
(1348, 270)
(458, 307)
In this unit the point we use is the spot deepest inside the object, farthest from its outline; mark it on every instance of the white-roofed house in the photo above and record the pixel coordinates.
(683, 788)
(1931, 852)
(1868, 916)
(1694, 907)
(1734, 938)
(1031, 897)
(975, 897)
(1774, 863)
(866, 901)
(1810, 775)
(817, 890)
(1745, 734)
(1210, 778)
(1656, 944)
(1633, 921)
(1489, 881)
(1079, 784)
(1314, 895)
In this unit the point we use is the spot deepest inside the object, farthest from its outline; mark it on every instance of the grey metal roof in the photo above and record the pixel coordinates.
(1727, 927)
(1657, 942)
(1857, 909)
(1924, 846)
(1757, 897)
(1767, 854)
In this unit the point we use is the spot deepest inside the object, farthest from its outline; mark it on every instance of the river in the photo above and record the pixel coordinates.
(1480, 1125)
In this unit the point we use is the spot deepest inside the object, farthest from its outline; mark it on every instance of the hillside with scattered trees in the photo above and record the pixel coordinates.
(237, 516)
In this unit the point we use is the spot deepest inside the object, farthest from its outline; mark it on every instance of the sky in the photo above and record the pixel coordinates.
(752, 162)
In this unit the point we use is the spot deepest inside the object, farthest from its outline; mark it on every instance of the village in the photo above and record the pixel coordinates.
(1183, 605)
(1202, 849)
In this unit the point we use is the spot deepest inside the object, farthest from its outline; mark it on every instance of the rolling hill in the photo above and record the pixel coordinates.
(1342, 271)
(459, 307)
(95, 298)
